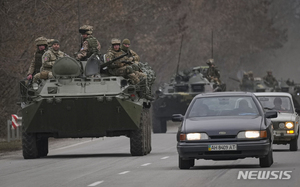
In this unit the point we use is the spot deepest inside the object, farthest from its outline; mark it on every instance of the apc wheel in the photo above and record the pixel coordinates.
(159, 125)
(42, 145)
(294, 145)
(148, 132)
(138, 138)
(29, 146)
(184, 164)
(266, 161)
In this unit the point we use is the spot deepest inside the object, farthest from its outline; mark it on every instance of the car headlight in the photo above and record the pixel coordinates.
(196, 136)
(289, 125)
(252, 134)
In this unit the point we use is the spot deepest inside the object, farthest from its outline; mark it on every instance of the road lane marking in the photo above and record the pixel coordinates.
(147, 164)
(124, 172)
(73, 145)
(165, 157)
(95, 183)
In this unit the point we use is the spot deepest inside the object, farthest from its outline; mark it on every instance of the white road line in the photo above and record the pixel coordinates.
(72, 145)
(165, 157)
(95, 183)
(124, 172)
(146, 164)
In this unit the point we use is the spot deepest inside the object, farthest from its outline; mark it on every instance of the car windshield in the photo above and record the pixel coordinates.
(279, 103)
(223, 106)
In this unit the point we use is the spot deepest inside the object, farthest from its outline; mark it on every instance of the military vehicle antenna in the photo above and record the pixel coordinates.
(212, 44)
(80, 38)
(179, 55)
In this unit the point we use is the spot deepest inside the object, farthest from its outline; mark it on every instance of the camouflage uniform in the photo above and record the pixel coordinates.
(118, 68)
(270, 80)
(90, 44)
(134, 58)
(36, 62)
(48, 60)
(246, 83)
(212, 73)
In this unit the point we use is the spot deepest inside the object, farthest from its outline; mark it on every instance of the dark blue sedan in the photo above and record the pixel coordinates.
(225, 126)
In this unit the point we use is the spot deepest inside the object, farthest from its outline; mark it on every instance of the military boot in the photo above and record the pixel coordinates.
(145, 90)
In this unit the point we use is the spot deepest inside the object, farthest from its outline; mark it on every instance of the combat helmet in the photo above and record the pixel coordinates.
(210, 61)
(115, 41)
(86, 29)
(41, 41)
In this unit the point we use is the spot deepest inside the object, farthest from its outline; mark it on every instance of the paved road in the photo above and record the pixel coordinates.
(107, 162)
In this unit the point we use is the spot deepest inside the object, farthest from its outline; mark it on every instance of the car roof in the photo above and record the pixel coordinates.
(216, 94)
(273, 94)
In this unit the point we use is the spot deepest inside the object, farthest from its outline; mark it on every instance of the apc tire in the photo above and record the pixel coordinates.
(29, 146)
(138, 138)
(266, 161)
(294, 145)
(148, 132)
(159, 125)
(184, 164)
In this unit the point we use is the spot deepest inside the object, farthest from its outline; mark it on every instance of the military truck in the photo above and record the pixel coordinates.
(84, 101)
(174, 97)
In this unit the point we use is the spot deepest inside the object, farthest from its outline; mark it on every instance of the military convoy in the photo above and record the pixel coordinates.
(174, 97)
(84, 101)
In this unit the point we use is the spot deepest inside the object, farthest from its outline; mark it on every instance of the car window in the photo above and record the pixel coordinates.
(279, 103)
(223, 106)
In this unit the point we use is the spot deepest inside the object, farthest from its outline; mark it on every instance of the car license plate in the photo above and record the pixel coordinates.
(222, 147)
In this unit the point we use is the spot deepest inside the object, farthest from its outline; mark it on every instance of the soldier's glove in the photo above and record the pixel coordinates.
(130, 59)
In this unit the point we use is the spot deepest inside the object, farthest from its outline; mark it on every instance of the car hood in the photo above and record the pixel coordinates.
(284, 117)
(231, 126)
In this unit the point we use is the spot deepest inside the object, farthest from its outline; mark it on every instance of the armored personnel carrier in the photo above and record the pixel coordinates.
(84, 101)
(174, 97)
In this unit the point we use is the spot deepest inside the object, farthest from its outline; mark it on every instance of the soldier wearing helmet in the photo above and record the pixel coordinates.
(36, 63)
(270, 80)
(250, 75)
(119, 68)
(247, 84)
(212, 73)
(90, 44)
(48, 60)
(132, 56)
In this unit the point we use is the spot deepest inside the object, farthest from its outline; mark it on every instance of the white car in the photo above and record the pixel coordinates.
(286, 125)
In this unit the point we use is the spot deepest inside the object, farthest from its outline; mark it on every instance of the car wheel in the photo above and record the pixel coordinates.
(266, 161)
(184, 164)
(294, 144)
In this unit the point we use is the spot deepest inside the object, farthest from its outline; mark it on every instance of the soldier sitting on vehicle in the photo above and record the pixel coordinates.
(213, 74)
(270, 80)
(48, 60)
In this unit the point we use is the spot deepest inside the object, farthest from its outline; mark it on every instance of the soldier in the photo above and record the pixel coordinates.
(212, 73)
(48, 60)
(118, 68)
(90, 44)
(270, 80)
(36, 63)
(250, 75)
(246, 84)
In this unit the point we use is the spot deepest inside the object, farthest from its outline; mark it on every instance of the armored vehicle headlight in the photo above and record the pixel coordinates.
(35, 86)
(289, 125)
(196, 136)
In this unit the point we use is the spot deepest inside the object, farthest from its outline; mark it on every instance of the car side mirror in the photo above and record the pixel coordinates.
(271, 114)
(177, 117)
(298, 110)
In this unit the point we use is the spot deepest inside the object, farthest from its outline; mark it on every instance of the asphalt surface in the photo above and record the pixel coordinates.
(107, 162)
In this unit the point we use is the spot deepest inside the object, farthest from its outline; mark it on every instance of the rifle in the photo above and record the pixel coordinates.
(237, 80)
(112, 61)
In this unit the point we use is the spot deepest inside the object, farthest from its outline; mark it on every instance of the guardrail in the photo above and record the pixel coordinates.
(14, 128)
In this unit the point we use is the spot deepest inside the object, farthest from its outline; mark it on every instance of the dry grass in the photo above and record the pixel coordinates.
(10, 146)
